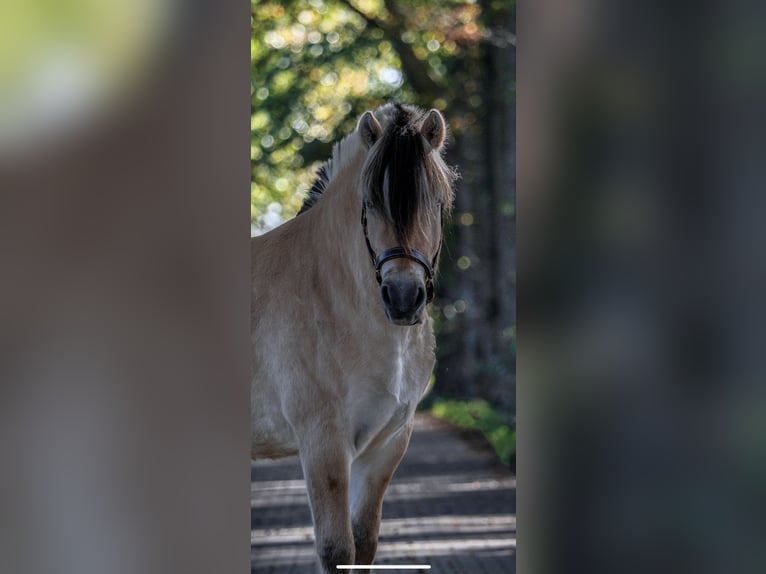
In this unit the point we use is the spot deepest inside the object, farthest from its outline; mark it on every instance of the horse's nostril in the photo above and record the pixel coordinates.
(384, 292)
(420, 297)
(403, 298)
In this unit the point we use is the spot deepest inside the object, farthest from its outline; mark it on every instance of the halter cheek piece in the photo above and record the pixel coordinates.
(401, 253)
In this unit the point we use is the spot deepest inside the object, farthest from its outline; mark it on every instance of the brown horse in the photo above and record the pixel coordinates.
(343, 346)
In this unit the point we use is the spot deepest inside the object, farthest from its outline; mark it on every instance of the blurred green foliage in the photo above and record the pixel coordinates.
(317, 65)
(478, 414)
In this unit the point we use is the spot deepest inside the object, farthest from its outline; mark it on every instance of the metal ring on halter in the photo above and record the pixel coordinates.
(401, 253)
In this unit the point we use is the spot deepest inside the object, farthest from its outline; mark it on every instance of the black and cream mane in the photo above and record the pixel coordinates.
(406, 179)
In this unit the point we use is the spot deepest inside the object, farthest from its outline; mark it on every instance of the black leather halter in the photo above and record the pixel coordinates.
(401, 253)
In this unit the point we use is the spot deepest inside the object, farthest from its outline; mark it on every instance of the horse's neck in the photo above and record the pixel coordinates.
(338, 248)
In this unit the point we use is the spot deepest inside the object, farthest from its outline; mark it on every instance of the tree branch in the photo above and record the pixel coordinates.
(412, 67)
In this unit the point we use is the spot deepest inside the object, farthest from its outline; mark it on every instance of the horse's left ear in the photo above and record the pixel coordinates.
(434, 129)
(369, 128)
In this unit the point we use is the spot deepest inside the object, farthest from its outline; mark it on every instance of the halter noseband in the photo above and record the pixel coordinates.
(401, 253)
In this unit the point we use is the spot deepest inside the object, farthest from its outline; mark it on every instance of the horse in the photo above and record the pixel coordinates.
(343, 345)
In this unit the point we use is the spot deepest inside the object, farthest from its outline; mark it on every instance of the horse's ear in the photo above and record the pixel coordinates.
(369, 129)
(434, 129)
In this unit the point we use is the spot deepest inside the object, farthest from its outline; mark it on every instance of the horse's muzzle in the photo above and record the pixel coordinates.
(403, 300)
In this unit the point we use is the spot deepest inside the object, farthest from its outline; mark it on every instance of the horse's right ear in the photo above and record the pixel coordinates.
(369, 128)
(434, 129)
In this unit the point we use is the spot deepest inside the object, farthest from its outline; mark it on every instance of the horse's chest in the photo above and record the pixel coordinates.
(386, 402)
(378, 419)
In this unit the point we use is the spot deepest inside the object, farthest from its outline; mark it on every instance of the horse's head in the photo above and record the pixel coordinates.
(406, 188)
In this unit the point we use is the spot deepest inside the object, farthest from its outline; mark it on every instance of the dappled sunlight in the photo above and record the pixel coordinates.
(449, 505)
(441, 485)
(278, 493)
(426, 542)
(305, 83)
(316, 67)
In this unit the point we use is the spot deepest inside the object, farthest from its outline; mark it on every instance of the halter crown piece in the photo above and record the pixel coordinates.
(401, 253)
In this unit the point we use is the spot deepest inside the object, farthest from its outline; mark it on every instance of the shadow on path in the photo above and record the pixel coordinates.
(450, 505)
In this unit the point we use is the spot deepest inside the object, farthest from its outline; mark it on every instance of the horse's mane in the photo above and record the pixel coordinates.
(328, 170)
(405, 178)
(317, 188)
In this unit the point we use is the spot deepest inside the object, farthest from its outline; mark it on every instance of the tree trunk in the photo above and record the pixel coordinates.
(477, 346)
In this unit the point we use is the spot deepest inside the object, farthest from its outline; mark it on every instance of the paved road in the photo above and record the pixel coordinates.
(450, 505)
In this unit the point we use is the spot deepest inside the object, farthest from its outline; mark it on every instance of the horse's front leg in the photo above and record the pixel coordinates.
(326, 470)
(370, 474)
